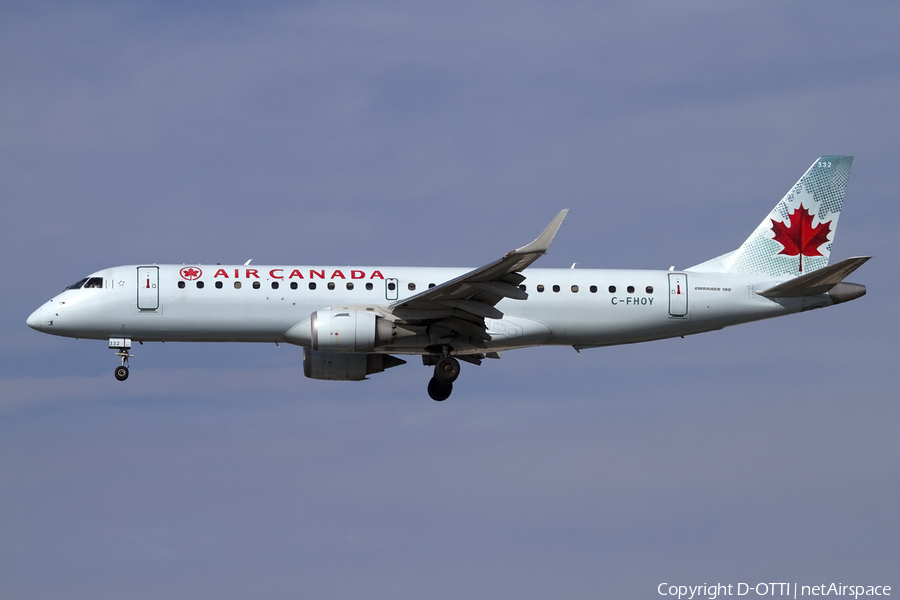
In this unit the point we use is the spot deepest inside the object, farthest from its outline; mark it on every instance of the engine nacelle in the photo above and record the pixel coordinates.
(344, 366)
(345, 330)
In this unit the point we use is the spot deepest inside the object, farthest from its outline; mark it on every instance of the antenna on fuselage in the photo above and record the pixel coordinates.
(248, 262)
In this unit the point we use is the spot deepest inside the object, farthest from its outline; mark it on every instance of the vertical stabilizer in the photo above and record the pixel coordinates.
(797, 235)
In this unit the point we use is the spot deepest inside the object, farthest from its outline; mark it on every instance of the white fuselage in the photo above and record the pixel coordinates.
(351, 320)
(239, 303)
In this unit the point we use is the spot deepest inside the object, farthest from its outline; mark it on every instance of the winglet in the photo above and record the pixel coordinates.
(541, 244)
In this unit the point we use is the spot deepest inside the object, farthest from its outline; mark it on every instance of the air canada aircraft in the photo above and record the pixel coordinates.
(356, 321)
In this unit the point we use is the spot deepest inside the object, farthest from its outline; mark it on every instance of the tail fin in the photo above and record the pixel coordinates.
(797, 235)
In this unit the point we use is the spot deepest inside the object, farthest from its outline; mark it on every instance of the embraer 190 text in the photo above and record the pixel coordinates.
(353, 321)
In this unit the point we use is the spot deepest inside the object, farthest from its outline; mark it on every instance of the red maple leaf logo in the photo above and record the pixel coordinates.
(800, 237)
(191, 273)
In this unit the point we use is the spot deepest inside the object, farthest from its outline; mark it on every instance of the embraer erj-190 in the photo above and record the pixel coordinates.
(353, 321)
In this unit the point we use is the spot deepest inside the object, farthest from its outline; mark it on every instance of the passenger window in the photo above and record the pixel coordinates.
(330, 285)
(392, 286)
(199, 285)
(369, 286)
(556, 288)
(349, 285)
(218, 285)
(593, 289)
(181, 285)
(649, 289)
(522, 287)
(412, 287)
(630, 289)
(274, 285)
(312, 285)
(255, 285)
(612, 289)
(430, 285)
(293, 285)
(77, 285)
(574, 289)
(237, 285)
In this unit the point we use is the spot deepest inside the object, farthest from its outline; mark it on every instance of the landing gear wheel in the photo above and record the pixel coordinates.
(121, 345)
(438, 390)
(447, 369)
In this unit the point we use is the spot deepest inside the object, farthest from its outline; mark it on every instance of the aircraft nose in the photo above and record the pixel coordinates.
(33, 320)
(38, 319)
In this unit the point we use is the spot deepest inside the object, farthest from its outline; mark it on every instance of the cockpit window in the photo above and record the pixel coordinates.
(77, 285)
(87, 282)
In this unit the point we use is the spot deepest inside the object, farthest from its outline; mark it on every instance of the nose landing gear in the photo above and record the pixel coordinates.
(122, 346)
(446, 370)
(121, 373)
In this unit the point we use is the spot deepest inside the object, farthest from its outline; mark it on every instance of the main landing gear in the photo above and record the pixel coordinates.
(122, 346)
(446, 370)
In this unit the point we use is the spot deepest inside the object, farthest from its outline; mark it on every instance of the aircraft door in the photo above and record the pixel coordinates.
(391, 288)
(678, 302)
(148, 288)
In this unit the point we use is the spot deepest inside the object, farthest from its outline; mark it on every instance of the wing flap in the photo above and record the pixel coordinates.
(478, 309)
(473, 330)
(503, 289)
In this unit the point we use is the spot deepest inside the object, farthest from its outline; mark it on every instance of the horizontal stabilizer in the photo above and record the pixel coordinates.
(817, 282)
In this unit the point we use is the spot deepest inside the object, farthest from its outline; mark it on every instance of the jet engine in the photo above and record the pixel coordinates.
(345, 330)
(345, 366)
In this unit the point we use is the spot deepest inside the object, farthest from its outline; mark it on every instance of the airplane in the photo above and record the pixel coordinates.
(356, 321)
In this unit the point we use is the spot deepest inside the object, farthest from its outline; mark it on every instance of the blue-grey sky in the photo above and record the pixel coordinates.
(433, 133)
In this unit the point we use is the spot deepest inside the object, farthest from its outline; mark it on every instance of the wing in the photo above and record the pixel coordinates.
(454, 311)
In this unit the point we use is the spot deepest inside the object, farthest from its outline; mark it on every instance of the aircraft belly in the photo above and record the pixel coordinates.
(609, 327)
(516, 332)
(592, 320)
(221, 320)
